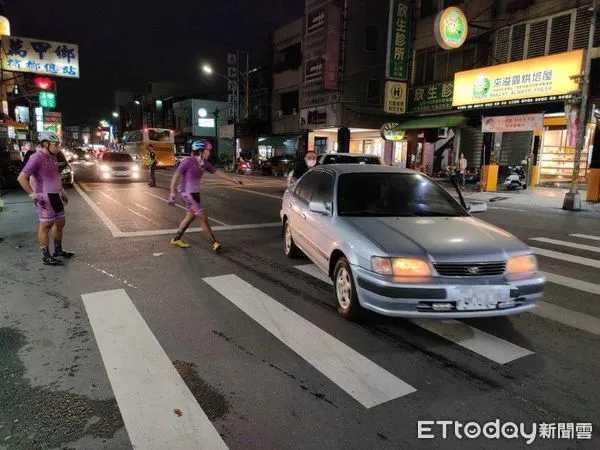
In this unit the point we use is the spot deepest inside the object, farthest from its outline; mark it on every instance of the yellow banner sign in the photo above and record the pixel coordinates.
(544, 79)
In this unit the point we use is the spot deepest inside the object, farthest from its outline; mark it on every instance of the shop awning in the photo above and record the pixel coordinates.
(423, 123)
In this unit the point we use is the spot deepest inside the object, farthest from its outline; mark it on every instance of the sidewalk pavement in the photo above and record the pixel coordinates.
(540, 197)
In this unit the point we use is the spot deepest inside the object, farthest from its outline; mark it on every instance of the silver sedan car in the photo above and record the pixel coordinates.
(395, 242)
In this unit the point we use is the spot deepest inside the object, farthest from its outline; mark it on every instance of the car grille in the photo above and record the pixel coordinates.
(121, 168)
(470, 270)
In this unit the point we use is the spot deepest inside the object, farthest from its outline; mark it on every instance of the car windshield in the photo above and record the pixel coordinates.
(117, 157)
(347, 159)
(394, 195)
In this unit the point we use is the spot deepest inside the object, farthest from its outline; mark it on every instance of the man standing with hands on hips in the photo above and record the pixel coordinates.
(48, 196)
(186, 181)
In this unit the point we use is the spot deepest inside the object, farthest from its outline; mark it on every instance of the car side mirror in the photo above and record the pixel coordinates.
(319, 208)
(477, 207)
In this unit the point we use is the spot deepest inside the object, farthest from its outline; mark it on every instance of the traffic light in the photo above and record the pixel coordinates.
(43, 83)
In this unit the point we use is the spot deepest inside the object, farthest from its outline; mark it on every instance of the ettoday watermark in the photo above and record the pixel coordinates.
(444, 429)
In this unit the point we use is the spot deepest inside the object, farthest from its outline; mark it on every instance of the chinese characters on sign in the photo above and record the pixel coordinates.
(332, 48)
(433, 97)
(503, 124)
(399, 39)
(47, 99)
(40, 57)
(232, 93)
(395, 97)
(548, 78)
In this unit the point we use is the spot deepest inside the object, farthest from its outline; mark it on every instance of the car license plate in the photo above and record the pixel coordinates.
(470, 298)
(121, 173)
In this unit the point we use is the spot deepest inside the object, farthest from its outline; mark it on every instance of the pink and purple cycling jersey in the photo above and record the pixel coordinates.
(43, 167)
(191, 171)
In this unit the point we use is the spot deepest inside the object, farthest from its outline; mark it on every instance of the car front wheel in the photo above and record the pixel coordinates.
(344, 291)
(291, 251)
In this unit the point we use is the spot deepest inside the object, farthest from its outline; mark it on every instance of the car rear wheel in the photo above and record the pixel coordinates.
(344, 291)
(291, 251)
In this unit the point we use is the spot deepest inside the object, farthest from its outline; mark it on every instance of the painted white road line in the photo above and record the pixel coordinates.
(147, 233)
(85, 187)
(361, 378)
(103, 217)
(480, 342)
(145, 383)
(262, 194)
(181, 207)
(566, 257)
(572, 283)
(589, 248)
(129, 209)
(507, 209)
(314, 271)
(586, 236)
(568, 317)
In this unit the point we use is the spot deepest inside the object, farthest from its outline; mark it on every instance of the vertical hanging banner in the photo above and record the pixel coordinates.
(399, 36)
(331, 73)
(572, 116)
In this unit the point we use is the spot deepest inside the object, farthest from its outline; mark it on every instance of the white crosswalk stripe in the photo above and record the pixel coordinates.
(361, 378)
(567, 257)
(586, 236)
(589, 248)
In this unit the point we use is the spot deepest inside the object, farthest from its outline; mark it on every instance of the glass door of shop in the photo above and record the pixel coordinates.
(557, 160)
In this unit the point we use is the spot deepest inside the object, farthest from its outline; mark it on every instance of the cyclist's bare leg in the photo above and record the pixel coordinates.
(206, 227)
(43, 231)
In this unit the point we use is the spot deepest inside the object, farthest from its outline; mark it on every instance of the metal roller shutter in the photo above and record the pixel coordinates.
(515, 147)
(471, 143)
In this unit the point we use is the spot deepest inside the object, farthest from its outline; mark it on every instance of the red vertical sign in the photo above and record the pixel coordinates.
(331, 74)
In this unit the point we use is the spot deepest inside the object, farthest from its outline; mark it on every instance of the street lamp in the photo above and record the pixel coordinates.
(137, 102)
(207, 69)
(116, 115)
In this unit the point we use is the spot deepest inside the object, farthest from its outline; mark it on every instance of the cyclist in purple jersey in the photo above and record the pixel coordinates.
(47, 193)
(186, 181)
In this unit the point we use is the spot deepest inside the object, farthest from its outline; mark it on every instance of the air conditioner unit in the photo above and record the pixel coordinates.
(279, 114)
(442, 133)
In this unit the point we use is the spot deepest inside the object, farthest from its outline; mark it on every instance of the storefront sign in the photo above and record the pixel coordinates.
(47, 99)
(432, 97)
(232, 91)
(504, 124)
(40, 57)
(317, 117)
(315, 21)
(313, 69)
(451, 28)
(544, 79)
(22, 114)
(4, 26)
(53, 122)
(395, 97)
(332, 48)
(206, 123)
(399, 38)
(391, 132)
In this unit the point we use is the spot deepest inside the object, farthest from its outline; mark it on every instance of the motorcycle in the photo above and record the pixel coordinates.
(243, 168)
(517, 178)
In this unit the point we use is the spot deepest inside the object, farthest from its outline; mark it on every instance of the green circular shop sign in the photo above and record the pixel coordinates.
(451, 28)
(391, 132)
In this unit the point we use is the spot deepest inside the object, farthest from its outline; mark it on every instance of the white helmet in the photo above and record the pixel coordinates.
(49, 136)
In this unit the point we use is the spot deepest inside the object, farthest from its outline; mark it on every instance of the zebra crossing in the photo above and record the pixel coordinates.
(128, 346)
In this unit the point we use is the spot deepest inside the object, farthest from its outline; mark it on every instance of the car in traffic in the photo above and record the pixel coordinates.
(67, 176)
(117, 166)
(395, 242)
(277, 165)
(342, 158)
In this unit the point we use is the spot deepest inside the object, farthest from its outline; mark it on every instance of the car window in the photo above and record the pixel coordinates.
(394, 195)
(117, 157)
(306, 185)
(323, 188)
(347, 159)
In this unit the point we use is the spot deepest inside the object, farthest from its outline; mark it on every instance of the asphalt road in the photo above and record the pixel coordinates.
(94, 354)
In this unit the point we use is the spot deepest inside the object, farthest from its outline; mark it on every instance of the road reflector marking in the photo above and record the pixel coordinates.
(361, 378)
(145, 383)
(567, 257)
(480, 342)
(589, 248)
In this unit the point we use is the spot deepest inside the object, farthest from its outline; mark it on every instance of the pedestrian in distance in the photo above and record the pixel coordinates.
(186, 181)
(48, 195)
(462, 167)
(152, 163)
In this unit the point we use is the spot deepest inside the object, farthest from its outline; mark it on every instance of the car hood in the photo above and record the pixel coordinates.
(440, 239)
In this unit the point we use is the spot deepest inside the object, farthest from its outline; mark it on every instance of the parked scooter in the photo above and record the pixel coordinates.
(517, 178)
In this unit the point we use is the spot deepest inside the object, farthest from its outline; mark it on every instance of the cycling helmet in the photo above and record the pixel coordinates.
(49, 136)
(201, 145)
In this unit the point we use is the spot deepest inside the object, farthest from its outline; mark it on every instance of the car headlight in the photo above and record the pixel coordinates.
(66, 170)
(104, 168)
(401, 267)
(135, 168)
(521, 266)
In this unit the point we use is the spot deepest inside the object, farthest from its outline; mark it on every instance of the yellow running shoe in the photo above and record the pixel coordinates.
(216, 246)
(180, 243)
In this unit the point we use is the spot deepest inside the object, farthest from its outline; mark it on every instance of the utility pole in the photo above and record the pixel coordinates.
(216, 116)
(572, 201)
(247, 85)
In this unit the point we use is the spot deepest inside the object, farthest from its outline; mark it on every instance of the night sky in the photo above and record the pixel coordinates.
(124, 43)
